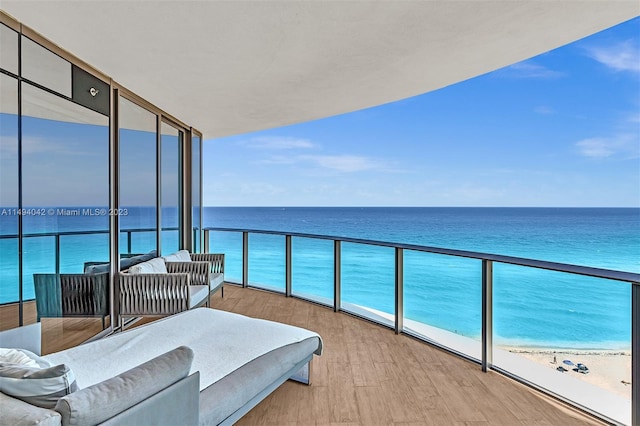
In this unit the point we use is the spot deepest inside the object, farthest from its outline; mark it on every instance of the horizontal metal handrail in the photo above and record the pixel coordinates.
(98, 231)
(612, 274)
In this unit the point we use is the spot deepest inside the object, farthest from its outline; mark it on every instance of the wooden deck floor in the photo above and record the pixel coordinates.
(368, 375)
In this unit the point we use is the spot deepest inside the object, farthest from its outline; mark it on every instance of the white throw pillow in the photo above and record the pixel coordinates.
(183, 256)
(171, 258)
(22, 357)
(153, 266)
(179, 256)
(42, 387)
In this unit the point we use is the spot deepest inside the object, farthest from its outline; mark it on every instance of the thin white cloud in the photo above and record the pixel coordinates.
(40, 145)
(280, 159)
(596, 147)
(337, 163)
(529, 69)
(624, 56)
(634, 118)
(261, 188)
(625, 146)
(345, 163)
(544, 110)
(278, 143)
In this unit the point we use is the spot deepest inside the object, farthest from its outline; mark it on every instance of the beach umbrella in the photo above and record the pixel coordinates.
(568, 362)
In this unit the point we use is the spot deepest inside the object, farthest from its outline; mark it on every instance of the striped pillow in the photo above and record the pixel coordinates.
(37, 386)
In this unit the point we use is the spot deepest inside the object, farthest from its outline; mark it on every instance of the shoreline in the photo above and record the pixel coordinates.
(608, 369)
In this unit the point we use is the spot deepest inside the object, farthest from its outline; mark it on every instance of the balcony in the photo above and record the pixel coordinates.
(398, 349)
(377, 350)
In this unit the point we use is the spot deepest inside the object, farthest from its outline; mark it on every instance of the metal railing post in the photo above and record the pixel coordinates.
(129, 242)
(288, 265)
(399, 290)
(487, 314)
(635, 354)
(206, 241)
(337, 262)
(57, 237)
(245, 259)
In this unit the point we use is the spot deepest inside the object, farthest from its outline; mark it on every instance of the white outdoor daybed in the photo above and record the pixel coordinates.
(240, 360)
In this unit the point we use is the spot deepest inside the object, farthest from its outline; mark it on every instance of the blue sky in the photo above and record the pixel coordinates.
(560, 129)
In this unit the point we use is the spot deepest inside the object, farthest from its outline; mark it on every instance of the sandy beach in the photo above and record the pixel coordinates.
(610, 370)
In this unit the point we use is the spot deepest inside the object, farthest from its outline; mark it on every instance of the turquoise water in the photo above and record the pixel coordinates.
(531, 307)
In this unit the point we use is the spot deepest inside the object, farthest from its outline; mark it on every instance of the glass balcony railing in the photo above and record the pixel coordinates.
(525, 318)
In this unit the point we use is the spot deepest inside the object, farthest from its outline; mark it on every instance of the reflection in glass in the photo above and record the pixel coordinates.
(65, 189)
(196, 198)
(44, 67)
(8, 49)
(170, 184)
(9, 275)
(138, 157)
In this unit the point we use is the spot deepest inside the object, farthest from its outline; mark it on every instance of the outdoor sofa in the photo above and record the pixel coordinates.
(151, 374)
(168, 285)
(79, 295)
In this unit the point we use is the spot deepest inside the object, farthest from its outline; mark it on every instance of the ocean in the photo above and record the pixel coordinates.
(531, 307)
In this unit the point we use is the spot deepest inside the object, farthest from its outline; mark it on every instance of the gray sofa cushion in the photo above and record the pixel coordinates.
(106, 399)
(16, 412)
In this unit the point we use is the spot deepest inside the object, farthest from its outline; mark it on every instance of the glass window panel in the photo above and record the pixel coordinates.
(9, 278)
(229, 243)
(8, 49)
(47, 108)
(138, 157)
(542, 318)
(45, 67)
(170, 143)
(312, 269)
(65, 192)
(442, 300)
(266, 261)
(369, 290)
(196, 198)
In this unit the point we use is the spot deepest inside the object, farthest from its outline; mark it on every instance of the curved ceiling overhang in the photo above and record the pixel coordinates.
(235, 67)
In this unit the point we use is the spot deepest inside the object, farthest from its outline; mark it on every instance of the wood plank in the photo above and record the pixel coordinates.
(367, 375)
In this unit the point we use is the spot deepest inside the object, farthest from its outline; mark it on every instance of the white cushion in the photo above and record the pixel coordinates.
(22, 357)
(173, 257)
(183, 256)
(153, 266)
(179, 256)
(197, 293)
(42, 387)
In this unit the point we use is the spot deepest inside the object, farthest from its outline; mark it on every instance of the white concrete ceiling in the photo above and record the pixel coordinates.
(233, 67)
